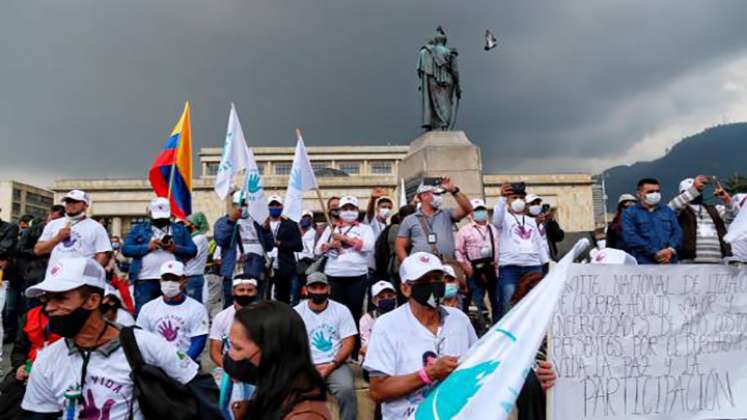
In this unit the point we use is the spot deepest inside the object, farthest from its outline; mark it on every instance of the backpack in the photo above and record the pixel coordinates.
(161, 397)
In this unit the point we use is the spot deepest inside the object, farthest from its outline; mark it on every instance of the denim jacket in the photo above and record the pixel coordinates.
(136, 245)
(646, 232)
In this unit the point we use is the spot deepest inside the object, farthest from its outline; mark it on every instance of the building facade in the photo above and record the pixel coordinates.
(341, 170)
(18, 199)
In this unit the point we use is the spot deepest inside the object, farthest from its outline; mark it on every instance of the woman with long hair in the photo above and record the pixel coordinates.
(614, 229)
(270, 348)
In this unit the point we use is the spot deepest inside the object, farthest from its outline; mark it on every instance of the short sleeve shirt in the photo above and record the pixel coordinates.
(175, 323)
(108, 387)
(441, 223)
(326, 329)
(401, 345)
(87, 238)
(221, 327)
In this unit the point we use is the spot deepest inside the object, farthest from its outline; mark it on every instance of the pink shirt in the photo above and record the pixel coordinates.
(473, 243)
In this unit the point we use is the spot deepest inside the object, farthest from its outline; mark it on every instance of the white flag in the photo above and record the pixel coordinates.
(301, 179)
(738, 228)
(402, 193)
(492, 373)
(237, 157)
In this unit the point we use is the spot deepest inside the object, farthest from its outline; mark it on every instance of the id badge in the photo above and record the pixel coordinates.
(486, 252)
(432, 239)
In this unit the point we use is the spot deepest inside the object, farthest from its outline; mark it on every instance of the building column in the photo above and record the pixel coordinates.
(117, 226)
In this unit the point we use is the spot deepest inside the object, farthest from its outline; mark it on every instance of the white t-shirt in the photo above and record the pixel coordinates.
(87, 238)
(221, 327)
(545, 250)
(521, 241)
(249, 239)
(196, 266)
(308, 245)
(401, 345)
(124, 318)
(108, 386)
(326, 329)
(152, 261)
(348, 262)
(176, 323)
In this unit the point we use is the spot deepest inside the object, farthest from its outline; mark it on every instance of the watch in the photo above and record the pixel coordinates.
(455, 191)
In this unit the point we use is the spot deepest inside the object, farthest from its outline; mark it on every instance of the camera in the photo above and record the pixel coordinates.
(167, 240)
(545, 208)
(518, 188)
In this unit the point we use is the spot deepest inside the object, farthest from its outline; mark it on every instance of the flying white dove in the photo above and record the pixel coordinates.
(490, 41)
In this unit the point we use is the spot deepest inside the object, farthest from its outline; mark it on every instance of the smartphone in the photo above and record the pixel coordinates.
(432, 181)
(518, 187)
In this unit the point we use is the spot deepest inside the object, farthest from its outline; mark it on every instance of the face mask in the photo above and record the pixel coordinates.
(349, 215)
(451, 290)
(275, 212)
(170, 288)
(115, 246)
(240, 370)
(305, 223)
(653, 198)
(437, 201)
(160, 223)
(428, 294)
(106, 307)
(69, 325)
(244, 300)
(334, 213)
(535, 210)
(318, 298)
(384, 213)
(386, 305)
(480, 215)
(74, 217)
(518, 205)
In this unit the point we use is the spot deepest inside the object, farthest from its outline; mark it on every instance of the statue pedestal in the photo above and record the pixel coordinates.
(443, 153)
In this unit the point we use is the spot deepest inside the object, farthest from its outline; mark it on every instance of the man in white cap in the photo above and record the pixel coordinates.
(74, 235)
(431, 229)
(175, 316)
(347, 246)
(153, 243)
(242, 242)
(477, 252)
(332, 332)
(384, 300)
(287, 241)
(703, 225)
(88, 369)
(245, 293)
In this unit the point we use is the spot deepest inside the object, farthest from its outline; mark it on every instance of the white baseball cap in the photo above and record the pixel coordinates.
(172, 267)
(238, 280)
(686, 183)
(236, 197)
(422, 188)
(380, 286)
(68, 274)
(449, 270)
(626, 197)
(77, 195)
(478, 203)
(307, 212)
(159, 208)
(275, 198)
(532, 197)
(419, 264)
(349, 200)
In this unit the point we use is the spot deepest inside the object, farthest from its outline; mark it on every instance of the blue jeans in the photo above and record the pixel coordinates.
(255, 267)
(508, 278)
(145, 291)
(194, 287)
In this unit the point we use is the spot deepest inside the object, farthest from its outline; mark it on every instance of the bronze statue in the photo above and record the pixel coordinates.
(440, 91)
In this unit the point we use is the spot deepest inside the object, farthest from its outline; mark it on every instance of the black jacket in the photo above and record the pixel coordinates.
(8, 238)
(288, 241)
(554, 235)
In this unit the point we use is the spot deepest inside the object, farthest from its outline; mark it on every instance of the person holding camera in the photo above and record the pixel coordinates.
(477, 253)
(151, 244)
(549, 228)
(522, 249)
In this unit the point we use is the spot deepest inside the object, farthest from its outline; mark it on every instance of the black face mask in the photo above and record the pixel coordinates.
(697, 200)
(428, 294)
(386, 305)
(106, 307)
(244, 300)
(241, 370)
(69, 325)
(318, 298)
(160, 223)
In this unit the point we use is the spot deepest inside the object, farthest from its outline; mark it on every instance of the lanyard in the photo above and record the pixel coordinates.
(522, 229)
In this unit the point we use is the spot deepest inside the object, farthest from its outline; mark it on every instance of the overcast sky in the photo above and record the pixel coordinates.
(92, 88)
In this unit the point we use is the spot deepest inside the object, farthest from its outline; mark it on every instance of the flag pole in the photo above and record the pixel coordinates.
(171, 178)
(316, 188)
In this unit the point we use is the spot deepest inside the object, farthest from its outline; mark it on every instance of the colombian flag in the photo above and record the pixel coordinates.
(171, 173)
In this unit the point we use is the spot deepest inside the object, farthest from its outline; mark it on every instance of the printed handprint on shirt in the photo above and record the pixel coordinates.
(168, 330)
(91, 412)
(321, 343)
(523, 232)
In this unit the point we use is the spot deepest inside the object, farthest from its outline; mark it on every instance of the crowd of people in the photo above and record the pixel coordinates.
(397, 294)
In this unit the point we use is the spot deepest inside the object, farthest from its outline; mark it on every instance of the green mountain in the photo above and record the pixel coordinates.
(719, 151)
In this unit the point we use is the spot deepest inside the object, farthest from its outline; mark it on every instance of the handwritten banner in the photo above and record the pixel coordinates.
(651, 342)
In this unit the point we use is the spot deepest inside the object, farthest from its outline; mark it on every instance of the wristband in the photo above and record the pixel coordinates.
(423, 375)
(455, 191)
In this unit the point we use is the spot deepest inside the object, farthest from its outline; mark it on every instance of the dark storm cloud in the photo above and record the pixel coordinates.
(92, 88)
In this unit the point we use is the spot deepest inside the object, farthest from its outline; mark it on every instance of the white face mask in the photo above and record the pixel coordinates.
(437, 201)
(170, 288)
(384, 213)
(535, 210)
(349, 215)
(653, 198)
(518, 205)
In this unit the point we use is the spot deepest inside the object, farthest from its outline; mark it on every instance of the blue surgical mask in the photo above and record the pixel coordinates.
(451, 290)
(480, 215)
(305, 223)
(275, 212)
